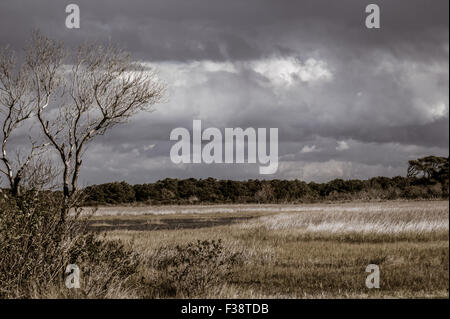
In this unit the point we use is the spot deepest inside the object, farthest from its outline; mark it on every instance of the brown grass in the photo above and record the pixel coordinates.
(311, 251)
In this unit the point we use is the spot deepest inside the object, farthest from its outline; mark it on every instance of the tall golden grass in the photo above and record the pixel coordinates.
(312, 251)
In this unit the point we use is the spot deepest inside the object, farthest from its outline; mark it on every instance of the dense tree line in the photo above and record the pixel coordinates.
(433, 184)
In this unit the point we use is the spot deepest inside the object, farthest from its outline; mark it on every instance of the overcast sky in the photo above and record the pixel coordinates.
(349, 102)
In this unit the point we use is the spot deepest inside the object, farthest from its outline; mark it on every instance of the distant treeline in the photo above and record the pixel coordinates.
(421, 182)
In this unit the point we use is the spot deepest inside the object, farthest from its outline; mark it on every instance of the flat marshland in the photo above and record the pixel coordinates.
(286, 251)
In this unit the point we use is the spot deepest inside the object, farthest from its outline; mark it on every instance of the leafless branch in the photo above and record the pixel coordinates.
(73, 97)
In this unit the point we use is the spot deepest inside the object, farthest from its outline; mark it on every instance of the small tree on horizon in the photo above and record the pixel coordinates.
(431, 168)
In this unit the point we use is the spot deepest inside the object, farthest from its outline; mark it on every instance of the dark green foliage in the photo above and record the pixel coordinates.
(212, 191)
(427, 178)
(429, 169)
(112, 193)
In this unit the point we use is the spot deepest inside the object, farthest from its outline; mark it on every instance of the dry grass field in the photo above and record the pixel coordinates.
(286, 251)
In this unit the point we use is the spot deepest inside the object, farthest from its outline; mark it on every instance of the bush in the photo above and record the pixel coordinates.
(189, 270)
(36, 245)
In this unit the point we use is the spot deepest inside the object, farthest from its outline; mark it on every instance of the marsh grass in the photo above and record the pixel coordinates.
(291, 251)
(319, 252)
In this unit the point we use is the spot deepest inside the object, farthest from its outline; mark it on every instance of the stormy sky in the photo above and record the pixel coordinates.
(349, 102)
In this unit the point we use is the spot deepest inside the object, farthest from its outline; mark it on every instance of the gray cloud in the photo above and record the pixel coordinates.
(310, 68)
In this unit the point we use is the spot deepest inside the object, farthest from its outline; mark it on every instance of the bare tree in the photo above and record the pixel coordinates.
(73, 96)
(81, 96)
(41, 173)
(16, 106)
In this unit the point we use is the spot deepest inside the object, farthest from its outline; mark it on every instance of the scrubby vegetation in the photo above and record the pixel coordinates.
(427, 179)
(36, 246)
(189, 270)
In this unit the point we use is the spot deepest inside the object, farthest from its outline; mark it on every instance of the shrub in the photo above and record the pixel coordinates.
(189, 270)
(36, 245)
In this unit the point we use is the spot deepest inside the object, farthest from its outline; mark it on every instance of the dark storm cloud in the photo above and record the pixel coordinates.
(199, 29)
(368, 100)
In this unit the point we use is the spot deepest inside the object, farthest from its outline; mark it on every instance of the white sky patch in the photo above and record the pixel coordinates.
(148, 147)
(326, 171)
(309, 149)
(286, 71)
(202, 65)
(188, 74)
(342, 146)
(211, 66)
(439, 110)
(137, 151)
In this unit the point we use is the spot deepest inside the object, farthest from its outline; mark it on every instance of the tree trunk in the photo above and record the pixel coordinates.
(15, 187)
